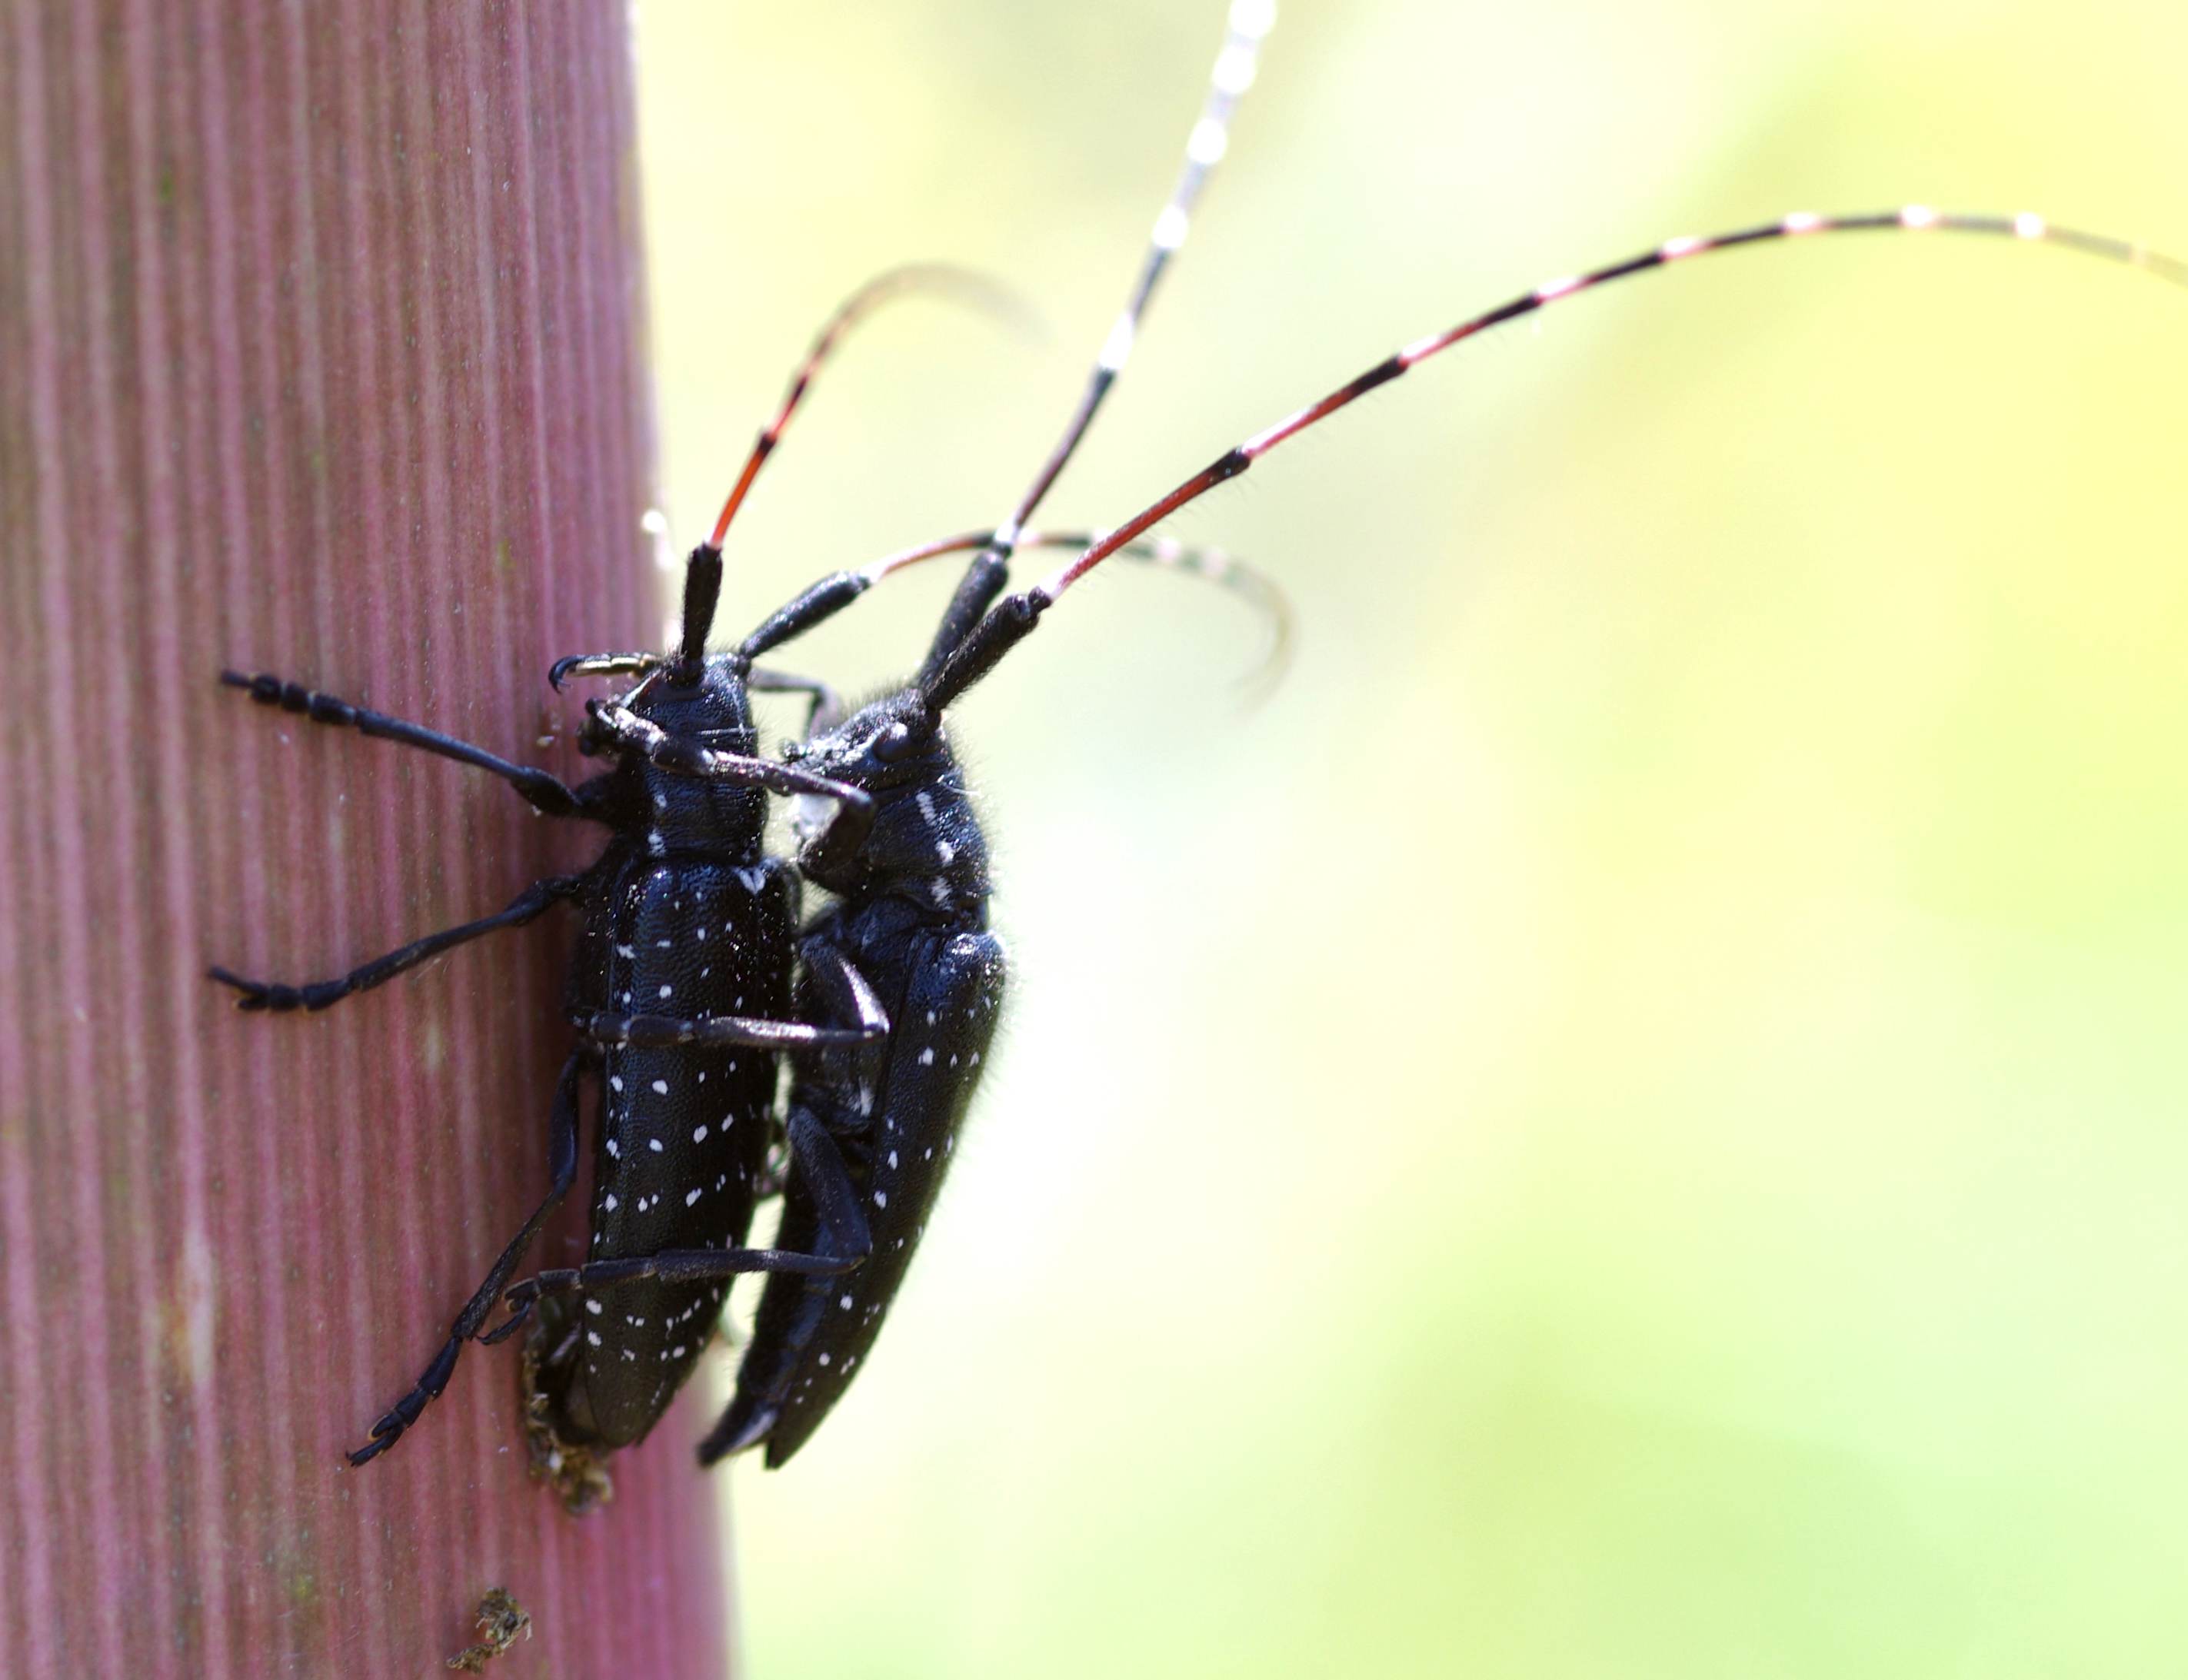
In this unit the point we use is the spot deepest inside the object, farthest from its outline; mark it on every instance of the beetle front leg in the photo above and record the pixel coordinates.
(827, 710)
(603, 665)
(611, 726)
(562, 1161)
(546, 792)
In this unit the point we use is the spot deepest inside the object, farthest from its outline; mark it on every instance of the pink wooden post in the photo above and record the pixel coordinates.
(321, 340)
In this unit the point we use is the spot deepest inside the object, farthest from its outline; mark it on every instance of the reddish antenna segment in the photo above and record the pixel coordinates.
(1915, 218)
(965, 285)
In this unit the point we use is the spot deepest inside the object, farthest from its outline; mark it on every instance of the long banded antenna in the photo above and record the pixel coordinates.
(1249, 24)
(965, 285)
(1014, 617)
(1914, 218)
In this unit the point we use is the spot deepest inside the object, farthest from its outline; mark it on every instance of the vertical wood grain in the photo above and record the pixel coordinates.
(320, 329)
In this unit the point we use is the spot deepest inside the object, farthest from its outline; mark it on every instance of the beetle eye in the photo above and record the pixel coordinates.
(892, 744)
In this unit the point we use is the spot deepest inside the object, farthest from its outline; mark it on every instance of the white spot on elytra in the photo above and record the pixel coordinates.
(615, 1081)
(691, 1196)
(592, 1306)
(609, 1203)
(880, 1198)
(654, 1144)
(892, 1158)
(625, 950)
(845, 1303)
(699, 1134)
(926, 1056)
(661, 1087)
(665, 990)
(593, 1337)
(825, 1358)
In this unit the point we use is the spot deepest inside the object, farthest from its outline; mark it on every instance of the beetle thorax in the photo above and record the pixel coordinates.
(685, 813)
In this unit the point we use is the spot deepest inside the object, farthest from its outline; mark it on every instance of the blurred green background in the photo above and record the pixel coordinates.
(1628, 1121)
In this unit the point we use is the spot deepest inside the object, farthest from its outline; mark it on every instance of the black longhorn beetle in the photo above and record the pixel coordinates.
(886, 1007)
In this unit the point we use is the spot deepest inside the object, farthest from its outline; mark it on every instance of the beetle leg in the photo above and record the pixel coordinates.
(603, 665)
(547, 792)
(828, 710)
(818, 1169)
(612, 726)
(562, 1161)
(529, 904)
(823, 1173)
(715, 1032)
(820, 1172)
(849, 995)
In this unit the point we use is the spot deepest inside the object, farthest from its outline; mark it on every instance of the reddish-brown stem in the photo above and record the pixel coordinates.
(318, 355)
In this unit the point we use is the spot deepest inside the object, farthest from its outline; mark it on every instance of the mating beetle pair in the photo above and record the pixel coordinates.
(681, 995)
(692, 975)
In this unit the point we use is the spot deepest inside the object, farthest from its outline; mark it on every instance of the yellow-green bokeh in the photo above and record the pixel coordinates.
(1629, 1121)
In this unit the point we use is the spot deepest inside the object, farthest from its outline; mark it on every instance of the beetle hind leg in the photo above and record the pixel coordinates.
(562, 1158)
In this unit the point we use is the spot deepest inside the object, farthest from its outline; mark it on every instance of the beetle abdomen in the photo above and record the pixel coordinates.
(683, 1132)
(812, 1333)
